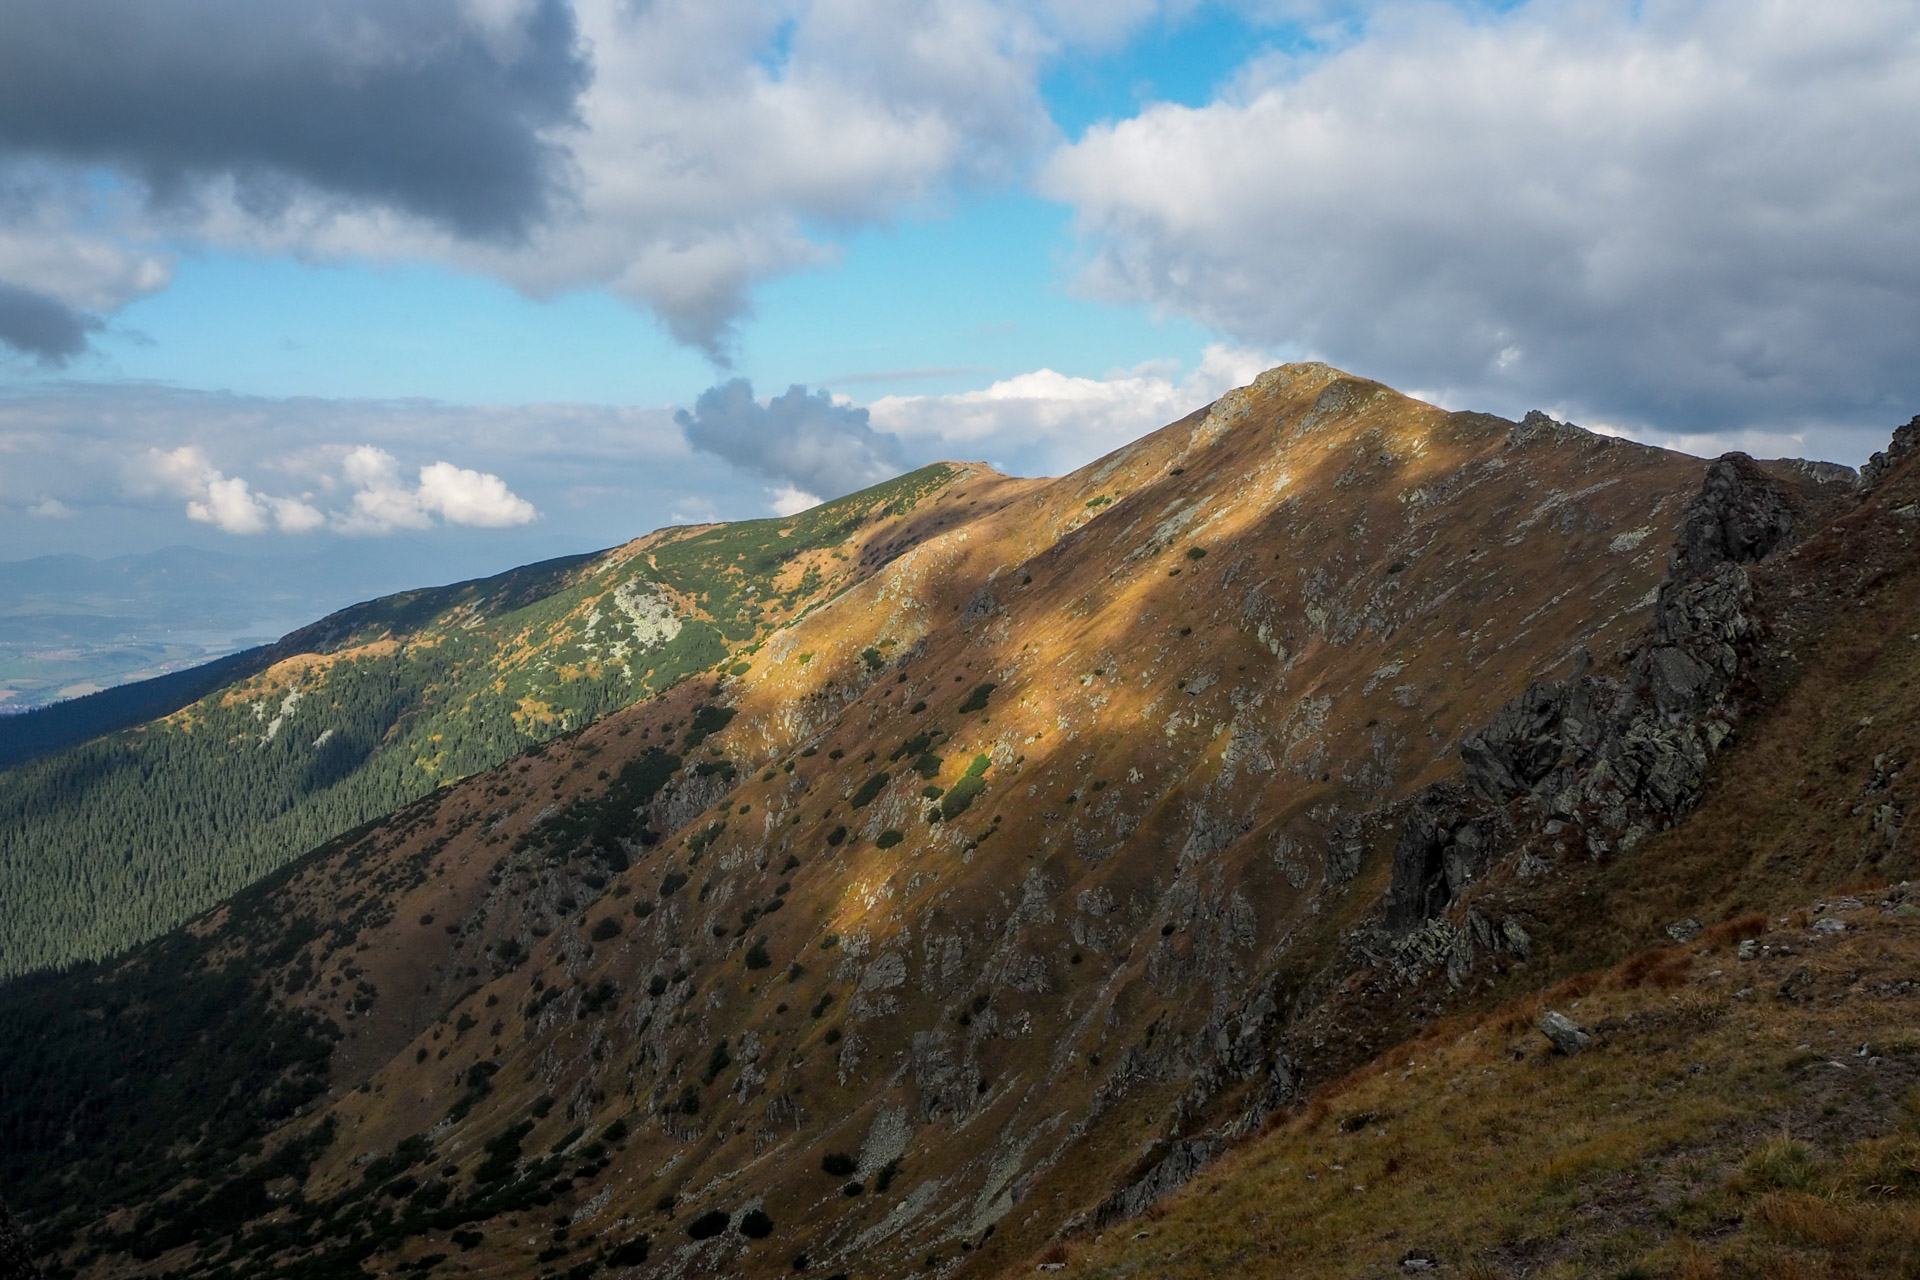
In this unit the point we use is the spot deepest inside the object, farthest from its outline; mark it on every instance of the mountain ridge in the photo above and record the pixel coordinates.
(1145, 795)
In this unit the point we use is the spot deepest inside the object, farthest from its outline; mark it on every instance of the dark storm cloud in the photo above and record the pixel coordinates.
(804, 440)
(410, 104)
(42, 327)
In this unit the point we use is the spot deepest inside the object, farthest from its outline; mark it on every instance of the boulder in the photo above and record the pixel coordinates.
(1566, 1035)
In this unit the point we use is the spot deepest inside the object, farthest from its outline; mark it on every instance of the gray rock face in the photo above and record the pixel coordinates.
(1441, 849)
(1905, 440)
(1740, 516)
(1620, 755)
(1182, 1160)
(1566, 1035)
(15, 1262)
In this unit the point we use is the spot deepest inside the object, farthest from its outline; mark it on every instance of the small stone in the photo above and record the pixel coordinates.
(1847, 904)
(1684, 930)
(1749, 949)
(1829, 924)
(1419, 1260)
(1567, 1036)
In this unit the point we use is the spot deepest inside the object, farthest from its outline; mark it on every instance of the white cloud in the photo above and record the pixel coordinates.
(230, 506)
(460, 496)
(1047, 423)
(1702, 214)
(380, 502)
(50, 509)
(383, 503)
(789, 501)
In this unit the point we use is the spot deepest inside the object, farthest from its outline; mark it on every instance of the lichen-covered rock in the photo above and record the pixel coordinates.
(1566, 1035)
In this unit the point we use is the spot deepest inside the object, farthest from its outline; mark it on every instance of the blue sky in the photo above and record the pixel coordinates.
(1023, 231)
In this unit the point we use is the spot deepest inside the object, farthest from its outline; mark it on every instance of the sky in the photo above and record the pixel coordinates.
(444, 285)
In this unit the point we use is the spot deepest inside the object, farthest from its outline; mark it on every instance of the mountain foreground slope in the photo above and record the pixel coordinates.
(1098, 823)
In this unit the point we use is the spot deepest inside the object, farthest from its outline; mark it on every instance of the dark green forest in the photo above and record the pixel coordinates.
(116, 840)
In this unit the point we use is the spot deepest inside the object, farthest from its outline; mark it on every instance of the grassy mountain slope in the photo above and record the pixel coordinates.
(113, 841)
(997, 893)
(1752, 1105)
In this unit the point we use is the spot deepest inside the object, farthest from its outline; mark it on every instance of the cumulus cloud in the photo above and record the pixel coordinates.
(1701, 214)
(808, 444)
(675, 154)
(1047, 423)
(438, 108)
(379, 500)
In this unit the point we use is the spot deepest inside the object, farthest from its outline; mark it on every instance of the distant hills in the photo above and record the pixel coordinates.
(71, 625)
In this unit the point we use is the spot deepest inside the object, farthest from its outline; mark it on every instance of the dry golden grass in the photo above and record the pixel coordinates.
(1708, 1135)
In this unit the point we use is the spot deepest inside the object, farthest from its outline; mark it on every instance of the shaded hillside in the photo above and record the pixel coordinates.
(997, 893)
(1750, 1105)
(108, 843)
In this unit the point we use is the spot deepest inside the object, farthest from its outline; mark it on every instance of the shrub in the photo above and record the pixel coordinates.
(932, 792)
(978, 768)
(977, 700)
(601, 995)
(961, 795)
(719, 1060)
(707, 721)
(756, 1224)
(888, 1172)
(614, 1132)
(709, 1224)
(607, 928)
(1196, 553)
(757, 957)
(838, 1163)
(631, 1254)
(873, 658)
(643, 909)
(870, 790)
(889, 838)
(671, 883)
(835, 836)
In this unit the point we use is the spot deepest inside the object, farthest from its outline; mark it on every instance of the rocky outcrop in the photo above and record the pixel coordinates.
(15, 1262)
(1740, 516)
(1442, 847)
(1905, 440)
(1182, 1159)
(1616, 758)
